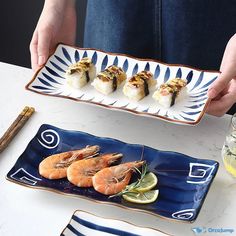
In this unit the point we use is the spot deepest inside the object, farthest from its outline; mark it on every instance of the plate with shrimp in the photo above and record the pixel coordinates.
(101, 169)
(147, 87)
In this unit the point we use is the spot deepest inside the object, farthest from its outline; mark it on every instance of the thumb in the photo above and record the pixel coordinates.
(44, 41)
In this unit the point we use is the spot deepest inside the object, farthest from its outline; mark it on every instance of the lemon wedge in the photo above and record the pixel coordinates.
(141, 197)
(148, 182)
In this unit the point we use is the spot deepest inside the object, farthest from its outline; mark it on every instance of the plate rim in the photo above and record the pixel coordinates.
(145, 114)
(115, 219)
(111, 203)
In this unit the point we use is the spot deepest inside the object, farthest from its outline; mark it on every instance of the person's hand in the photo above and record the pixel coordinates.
(223, 90)
(57, 24)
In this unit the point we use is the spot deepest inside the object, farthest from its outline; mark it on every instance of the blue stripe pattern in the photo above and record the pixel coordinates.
(115, 61)
(57, 67)
(49, 80)
(85, 54)
(66, 54)
(61, 60)
(199, 81)
(52, 72)
(77, 57)
(100, 228)
(167, 74)
(135, 70)
(179, 73)
(45, 82)
(75, 231)
(189, 77)
(95, 58)
(157, 72)
(147, 67)
(104, 63)
(125, 65)
(40, 87)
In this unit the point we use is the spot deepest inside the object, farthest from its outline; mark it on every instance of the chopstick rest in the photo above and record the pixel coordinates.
(15, 127)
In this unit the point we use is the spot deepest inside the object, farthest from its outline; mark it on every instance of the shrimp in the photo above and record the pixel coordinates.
(112, 180)
(55, 166)
(80, 173)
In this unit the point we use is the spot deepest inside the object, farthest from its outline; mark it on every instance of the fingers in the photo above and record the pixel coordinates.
(40, 48)
(221, 106)
(44, 41)
(34, 51)
(219, 84)
(227, 68)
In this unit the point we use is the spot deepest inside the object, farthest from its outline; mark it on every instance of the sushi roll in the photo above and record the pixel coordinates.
(171, 92)
(137, 87)
(109, 80)
(80, 73)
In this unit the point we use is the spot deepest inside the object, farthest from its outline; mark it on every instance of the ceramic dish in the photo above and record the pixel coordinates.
(50, 80)
(84, 223)
(183, 181)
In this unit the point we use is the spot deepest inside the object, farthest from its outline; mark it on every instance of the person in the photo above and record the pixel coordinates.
(179, 32)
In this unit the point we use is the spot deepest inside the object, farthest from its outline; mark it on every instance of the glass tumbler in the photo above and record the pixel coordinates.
(229, 148)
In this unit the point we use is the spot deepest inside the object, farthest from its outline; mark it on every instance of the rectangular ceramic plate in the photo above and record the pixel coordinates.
(183, 181)
(84, 223)
(50, 80)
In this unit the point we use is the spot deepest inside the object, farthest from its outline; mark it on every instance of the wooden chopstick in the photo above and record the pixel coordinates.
(15, 127)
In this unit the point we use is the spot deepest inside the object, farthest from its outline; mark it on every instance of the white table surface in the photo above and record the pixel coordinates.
(26, 211)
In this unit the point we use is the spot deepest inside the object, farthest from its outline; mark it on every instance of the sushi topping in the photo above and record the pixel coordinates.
(81, 66)
(145, 74)
(110, 73)
(173, 86)
(115, 70)
(141, 79)
(105, 76)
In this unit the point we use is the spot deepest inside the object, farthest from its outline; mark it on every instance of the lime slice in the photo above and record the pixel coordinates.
(148, 182)
(142, 197)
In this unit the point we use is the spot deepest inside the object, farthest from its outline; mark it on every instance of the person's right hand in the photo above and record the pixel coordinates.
(57, 24)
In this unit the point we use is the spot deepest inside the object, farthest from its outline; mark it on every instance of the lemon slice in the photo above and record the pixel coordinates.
(148, 182)
(142, 197)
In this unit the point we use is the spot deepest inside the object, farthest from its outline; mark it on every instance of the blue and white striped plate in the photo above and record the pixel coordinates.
(84, 223)
(50, 80)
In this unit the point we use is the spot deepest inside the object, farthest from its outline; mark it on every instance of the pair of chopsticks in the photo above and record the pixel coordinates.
(15, 127)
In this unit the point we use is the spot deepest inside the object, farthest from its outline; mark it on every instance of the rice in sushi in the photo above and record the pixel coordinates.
(171, 92)
(137, 87)
(80, 73)
(109, 80)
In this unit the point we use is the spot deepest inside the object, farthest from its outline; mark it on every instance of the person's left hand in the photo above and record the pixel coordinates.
(223, 91)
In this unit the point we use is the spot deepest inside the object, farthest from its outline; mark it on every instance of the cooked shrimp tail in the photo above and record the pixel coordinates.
(80, 173)
(112, 180)
(55, 166)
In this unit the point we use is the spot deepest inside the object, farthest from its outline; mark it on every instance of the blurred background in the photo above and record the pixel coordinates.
(17, 23)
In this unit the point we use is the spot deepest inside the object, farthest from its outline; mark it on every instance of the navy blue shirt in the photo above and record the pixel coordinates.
(188, 32)
(191, 32)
